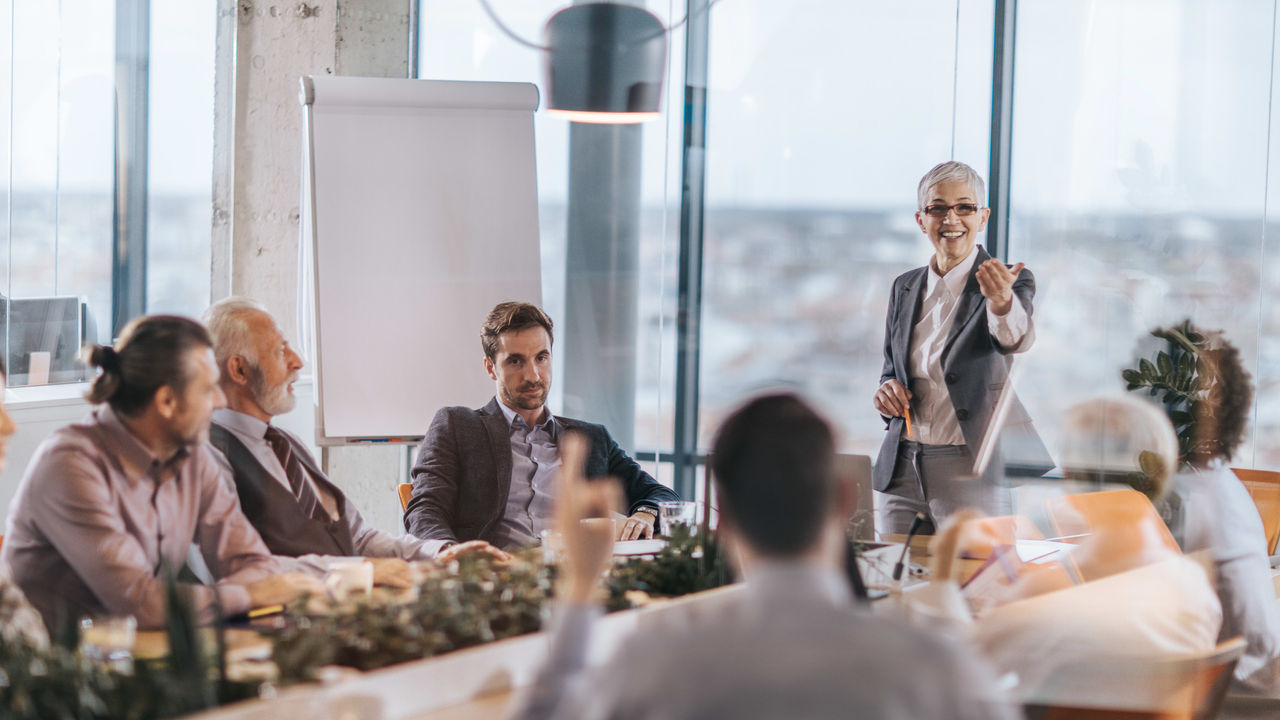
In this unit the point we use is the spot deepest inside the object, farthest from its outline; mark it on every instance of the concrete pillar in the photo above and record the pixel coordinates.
(263, 48)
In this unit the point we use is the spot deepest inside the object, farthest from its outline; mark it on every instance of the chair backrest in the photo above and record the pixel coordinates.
(858, 467)
(1074, 514)
(1264, 488)
(1190, 687)
(406, 492)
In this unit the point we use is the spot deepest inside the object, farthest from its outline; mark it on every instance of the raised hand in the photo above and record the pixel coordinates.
(995, 281)
(582, 519)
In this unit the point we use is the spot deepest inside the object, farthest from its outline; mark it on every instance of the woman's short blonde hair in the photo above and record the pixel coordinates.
(1120, 439)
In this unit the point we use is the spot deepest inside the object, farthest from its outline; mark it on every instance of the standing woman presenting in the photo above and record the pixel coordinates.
(952, 328)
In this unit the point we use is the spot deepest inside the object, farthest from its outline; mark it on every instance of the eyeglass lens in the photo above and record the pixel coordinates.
(940, 211)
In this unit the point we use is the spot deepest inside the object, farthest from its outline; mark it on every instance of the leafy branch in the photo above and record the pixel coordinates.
(1176, 377)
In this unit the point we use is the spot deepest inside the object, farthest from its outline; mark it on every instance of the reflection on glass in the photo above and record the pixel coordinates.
(180, 156)
(1139, 187)
(675, 512)
(457, 41)
(58, 139)
(821, 119)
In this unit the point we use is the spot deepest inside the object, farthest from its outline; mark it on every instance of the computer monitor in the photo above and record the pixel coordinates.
(55, 325)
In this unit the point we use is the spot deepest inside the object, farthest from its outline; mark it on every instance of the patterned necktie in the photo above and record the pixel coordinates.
(309, 496)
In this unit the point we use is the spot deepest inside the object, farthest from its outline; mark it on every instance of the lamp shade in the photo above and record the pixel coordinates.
(605, 63)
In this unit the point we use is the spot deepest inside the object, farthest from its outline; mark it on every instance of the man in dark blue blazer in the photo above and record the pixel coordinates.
(485, 478)
(951, 331)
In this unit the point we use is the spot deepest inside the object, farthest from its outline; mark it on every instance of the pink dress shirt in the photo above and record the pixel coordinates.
(97, 515)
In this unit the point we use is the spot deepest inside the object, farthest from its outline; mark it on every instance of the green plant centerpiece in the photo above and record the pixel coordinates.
(475, 600)
(692, 561)
(471, 601)
(57, 682)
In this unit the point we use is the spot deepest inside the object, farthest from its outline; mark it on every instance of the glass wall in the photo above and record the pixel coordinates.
(822, 117)
(56, 131)
(58, 98)
(1140, 191)
(180, 156)
(608, 240)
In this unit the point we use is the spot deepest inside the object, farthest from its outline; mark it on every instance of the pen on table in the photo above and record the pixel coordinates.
(907, 414)
(264, 611)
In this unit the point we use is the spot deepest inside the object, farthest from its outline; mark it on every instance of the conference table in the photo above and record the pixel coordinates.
(480, 682)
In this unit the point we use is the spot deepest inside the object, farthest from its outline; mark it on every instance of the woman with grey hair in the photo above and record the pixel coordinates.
(952, 328)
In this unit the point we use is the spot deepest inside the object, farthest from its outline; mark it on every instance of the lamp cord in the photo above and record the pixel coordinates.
(506, 30)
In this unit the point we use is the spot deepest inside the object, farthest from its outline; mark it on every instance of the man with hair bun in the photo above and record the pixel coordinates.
(111, 503)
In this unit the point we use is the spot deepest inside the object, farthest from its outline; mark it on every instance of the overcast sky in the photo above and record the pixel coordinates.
(1120, 104)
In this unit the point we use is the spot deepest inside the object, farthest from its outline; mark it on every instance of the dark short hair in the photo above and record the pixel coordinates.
(150, 354)
(1221, 412)
(512, 317)
(774, 472)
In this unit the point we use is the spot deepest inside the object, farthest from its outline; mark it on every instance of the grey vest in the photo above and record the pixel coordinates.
(273, 510)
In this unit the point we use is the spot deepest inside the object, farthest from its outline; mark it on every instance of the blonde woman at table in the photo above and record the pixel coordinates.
(1124, 591)
(791, 643)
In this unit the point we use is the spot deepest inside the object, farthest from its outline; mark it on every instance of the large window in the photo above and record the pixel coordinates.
(1140, 191)
(822, 117)
(180, 155)
(609, 203)
(63, 90)
(56, 66)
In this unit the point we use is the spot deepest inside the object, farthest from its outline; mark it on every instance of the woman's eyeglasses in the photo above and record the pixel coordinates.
(940, 211)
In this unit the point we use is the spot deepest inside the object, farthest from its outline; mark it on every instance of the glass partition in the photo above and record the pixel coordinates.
(180, 156)
(609, 205)
(822, 117)
(1139, 190)
(56, 125)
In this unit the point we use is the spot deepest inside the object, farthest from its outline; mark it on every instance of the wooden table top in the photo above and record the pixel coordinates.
(154, 644)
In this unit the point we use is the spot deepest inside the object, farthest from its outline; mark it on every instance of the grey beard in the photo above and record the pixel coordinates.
(273, 401)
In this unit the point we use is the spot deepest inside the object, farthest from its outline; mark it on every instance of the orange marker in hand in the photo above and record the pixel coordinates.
(907, 415)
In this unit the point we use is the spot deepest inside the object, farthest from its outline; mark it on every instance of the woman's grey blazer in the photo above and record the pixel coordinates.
(974, 365)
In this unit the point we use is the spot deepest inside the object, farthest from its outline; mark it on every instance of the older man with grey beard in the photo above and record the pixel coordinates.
(283, 491)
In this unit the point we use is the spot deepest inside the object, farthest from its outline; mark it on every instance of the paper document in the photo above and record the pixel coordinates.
(1040, 552)
(638, 547)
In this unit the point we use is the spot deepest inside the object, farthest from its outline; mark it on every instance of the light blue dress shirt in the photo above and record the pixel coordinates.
(535, 465)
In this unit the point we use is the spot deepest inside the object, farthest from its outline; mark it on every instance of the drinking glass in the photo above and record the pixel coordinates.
(109, 640)
(673, 512)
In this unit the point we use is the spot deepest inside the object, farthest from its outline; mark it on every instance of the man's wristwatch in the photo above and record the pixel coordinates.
(648, 510)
